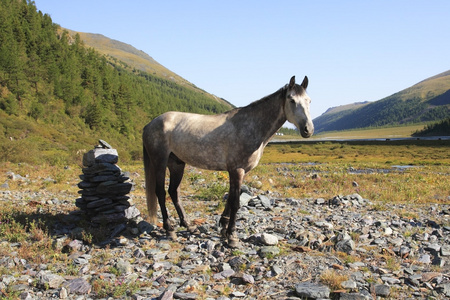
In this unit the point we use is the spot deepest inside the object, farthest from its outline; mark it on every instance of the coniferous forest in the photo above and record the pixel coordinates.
(57, 96)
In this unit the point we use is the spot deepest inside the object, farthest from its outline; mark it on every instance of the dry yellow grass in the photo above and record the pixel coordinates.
(333, 279)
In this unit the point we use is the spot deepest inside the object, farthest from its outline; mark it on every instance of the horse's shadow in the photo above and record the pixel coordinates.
(76, 225)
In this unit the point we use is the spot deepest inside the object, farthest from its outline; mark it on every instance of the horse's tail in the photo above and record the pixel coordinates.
(150, 183)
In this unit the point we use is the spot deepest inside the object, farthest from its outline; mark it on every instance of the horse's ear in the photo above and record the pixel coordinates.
(305, 82)
(292, 82)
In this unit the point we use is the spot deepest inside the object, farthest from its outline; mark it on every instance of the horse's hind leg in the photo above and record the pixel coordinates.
(176, 168)
(224, 220)
(160, 176)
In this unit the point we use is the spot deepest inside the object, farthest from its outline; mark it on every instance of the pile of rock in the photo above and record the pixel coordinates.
(104, 187)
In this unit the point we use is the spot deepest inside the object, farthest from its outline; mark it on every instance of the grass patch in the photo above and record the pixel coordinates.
(333, 279)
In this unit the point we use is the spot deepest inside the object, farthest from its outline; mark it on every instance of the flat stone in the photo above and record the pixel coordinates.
(247, 278)
(78, 286)
(312, 290)
(320, 201)
(53, 281)
(104, 144)
(139, 253)
(445, 250)
(325, 225)
(167, 295)
(86, 184)
(224, 274)
(237, 294)
(132, 212)
(390, 280)
(346, 246)
(100, 155)
(382, 290)
(119, 188)
(244, 199)
(425, 259)
(101, 167)
(269, 239)
(352, 296)
(276, 270)
(265, 201)
(388, 231)
(19, 287)
(80, 261)
(379, 241)
(99, 203)
(63, 294)
(96, 180)
(185, 296)
(348, 284)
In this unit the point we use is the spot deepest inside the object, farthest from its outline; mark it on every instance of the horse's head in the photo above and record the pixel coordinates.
(296, 107)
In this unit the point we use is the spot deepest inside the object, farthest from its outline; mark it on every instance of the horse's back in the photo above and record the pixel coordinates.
(199, 140)
(185, 123)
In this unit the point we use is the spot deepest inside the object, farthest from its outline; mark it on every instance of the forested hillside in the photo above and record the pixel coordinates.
(426, 101)
(57, 96)
(441, 128)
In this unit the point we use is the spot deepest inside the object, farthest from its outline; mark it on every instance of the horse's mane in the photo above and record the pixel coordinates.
(282, 92)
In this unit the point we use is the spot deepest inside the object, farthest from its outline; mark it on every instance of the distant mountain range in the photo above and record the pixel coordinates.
(426, 101)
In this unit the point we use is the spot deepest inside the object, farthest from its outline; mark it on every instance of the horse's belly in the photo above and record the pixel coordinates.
(202, 158)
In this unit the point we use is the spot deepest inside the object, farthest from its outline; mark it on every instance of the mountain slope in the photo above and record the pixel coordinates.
(135, 59)
(428, 100)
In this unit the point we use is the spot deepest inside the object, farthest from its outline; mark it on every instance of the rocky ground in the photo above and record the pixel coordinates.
(340, 248)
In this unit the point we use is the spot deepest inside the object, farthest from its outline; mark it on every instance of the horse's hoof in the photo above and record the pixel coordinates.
(172, 235)
(234, 243)
(233, 240)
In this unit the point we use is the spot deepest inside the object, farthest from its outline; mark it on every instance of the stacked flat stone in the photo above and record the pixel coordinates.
(104, 187)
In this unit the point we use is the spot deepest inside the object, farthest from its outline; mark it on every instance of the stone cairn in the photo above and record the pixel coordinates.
(104, 187)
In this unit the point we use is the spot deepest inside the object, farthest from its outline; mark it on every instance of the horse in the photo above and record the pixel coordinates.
(232, 141)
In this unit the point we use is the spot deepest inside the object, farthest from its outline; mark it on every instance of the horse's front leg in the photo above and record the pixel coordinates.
(236, 178)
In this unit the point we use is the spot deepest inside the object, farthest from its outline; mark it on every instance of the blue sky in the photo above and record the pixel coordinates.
(243, 50)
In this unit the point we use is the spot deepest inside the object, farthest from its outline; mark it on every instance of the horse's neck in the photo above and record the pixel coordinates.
(267, 115)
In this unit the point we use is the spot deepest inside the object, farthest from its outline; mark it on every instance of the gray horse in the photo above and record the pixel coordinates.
(232, 141)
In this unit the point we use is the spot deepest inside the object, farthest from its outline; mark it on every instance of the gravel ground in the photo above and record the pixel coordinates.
(340, 248)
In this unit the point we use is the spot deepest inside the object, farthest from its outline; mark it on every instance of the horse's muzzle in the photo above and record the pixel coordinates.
(307, 131)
